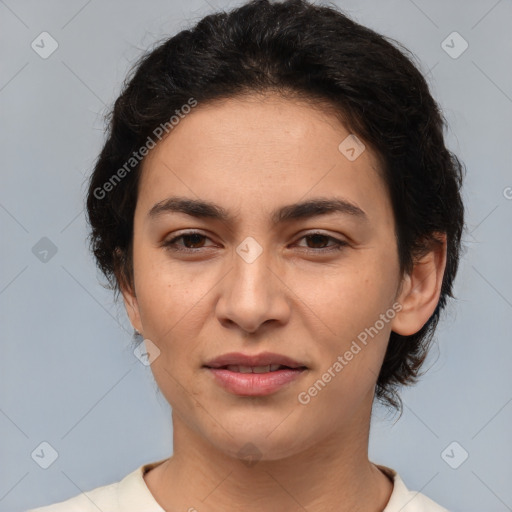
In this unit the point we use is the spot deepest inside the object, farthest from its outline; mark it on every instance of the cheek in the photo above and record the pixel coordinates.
(167, 295)
(351, 297)
(351, 343)
(354, 304)
(173, 310)
(171, 315)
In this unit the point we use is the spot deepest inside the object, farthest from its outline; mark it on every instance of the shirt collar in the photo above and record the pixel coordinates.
(135, 496)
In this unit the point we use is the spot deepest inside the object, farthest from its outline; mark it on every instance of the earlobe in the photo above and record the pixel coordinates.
(126, 283)
(132, 308)
(420, 290)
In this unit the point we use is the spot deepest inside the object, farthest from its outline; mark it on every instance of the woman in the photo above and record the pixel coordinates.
(278, 209)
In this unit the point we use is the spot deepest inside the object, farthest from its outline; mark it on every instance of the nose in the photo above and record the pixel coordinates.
(252, 294)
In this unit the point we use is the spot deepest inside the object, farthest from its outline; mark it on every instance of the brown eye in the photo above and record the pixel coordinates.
(192, 241)
(319, 241)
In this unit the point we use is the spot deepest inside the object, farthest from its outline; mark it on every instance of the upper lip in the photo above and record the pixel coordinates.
(263, 359)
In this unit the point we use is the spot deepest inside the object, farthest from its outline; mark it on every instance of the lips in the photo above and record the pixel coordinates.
(254, 375)
(257, 363)
(255, 369)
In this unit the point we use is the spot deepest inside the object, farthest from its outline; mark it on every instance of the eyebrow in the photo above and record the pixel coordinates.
(303, 210)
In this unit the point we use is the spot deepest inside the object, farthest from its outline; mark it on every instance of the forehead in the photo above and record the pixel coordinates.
(261, 150)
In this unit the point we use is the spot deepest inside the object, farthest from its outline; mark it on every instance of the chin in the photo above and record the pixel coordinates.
(260, 443)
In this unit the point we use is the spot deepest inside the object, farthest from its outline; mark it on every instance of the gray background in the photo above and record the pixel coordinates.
(68, 374)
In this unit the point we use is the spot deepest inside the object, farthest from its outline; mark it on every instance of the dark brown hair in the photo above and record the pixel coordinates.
(317, 53)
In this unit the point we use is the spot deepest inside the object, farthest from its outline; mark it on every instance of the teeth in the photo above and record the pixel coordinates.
(253, 369)
(261, 369)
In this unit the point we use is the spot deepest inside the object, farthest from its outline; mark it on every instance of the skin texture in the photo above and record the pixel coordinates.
(251, 155)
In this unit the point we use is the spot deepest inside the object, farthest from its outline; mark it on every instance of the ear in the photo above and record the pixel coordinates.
(131, 305)
(420, 290)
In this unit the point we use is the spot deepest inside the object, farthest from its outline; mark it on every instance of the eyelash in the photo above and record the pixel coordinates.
(339, 244)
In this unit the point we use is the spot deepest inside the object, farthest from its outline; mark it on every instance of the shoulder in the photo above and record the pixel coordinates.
(104, 497)
(127, 495)
(404, 500)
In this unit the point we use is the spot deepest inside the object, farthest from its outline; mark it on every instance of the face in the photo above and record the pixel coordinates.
(306, 286)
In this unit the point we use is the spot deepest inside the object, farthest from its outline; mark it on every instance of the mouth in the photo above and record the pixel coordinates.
(256, 369)
(263, 362)
(254, 375)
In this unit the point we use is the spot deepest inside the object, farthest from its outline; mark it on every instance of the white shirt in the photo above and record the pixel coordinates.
(131, 494)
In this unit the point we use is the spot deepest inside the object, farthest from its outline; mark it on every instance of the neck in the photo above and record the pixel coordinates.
(334, 475)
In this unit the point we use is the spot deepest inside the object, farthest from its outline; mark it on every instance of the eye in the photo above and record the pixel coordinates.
(193, 241)
(192, 238)
(317, 238)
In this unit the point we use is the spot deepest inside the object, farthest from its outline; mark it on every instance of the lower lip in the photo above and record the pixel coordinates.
(254, 384)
